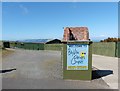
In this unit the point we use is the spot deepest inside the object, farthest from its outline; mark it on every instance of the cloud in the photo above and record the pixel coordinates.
(24, 9)
(102, 35)
(99, 37)
(74, 4)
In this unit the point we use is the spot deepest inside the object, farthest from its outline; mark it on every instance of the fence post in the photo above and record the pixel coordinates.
(116, 48)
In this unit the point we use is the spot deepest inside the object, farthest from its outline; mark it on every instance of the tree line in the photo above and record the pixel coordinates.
(111, 40)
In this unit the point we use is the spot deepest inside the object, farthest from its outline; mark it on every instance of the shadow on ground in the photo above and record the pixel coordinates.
(100, 73)
(8, 70)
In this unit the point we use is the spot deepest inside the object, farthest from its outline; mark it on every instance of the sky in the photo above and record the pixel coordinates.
(46, 20)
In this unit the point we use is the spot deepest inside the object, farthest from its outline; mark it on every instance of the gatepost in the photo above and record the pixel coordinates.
(77, 54)
(77, 60)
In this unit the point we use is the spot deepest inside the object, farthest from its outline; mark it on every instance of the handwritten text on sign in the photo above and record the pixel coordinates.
(77, 57)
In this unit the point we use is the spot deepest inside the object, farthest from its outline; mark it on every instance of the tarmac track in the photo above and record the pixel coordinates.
(30, 69)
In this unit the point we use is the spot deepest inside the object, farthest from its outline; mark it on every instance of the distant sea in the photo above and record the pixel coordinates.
(95, 40)
(34, 40)
(41, 40)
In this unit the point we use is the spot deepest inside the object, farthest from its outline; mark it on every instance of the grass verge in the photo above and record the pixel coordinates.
(5, 52)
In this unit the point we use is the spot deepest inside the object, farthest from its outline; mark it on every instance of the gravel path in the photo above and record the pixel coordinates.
(40, 70)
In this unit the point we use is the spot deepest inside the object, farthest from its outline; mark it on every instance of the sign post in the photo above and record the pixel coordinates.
(77, 60)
